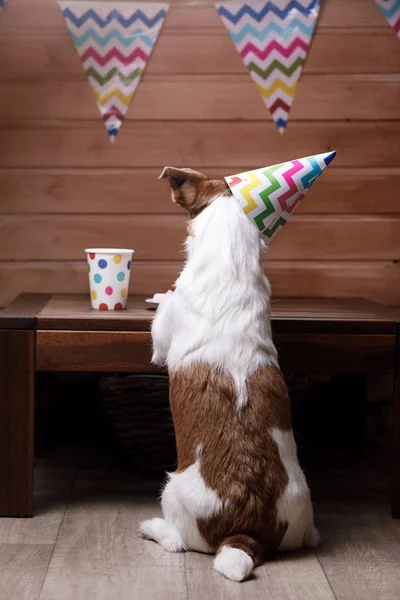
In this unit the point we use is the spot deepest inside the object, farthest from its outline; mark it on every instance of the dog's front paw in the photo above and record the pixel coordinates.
(158, 359)
(166, 534)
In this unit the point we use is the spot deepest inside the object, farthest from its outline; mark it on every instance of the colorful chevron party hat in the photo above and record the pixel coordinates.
(269, 196)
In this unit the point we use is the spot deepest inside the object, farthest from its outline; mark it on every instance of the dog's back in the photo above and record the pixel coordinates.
(238, 457)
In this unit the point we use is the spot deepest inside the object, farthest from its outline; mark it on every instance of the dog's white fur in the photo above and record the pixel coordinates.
(185, 499)
(219, 315)
(294, 506)
(233, 563)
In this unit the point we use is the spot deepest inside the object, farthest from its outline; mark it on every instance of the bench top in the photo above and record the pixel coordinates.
(289, 315)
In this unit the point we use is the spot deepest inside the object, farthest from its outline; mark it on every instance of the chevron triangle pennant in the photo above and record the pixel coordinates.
(273, 39)
(270, 195)
(391, 10)
(114, 41)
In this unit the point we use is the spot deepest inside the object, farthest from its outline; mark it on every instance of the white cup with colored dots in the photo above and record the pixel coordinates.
(109, 272)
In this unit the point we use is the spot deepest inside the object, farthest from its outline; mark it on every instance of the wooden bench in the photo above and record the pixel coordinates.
(62, 333)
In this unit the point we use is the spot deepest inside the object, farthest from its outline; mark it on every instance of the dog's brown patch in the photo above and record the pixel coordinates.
(239, 459)
(193, 190)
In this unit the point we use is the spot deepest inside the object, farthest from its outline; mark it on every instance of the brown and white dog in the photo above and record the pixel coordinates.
(238, 490)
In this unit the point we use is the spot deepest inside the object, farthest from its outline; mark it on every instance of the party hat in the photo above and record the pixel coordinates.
(269, 196)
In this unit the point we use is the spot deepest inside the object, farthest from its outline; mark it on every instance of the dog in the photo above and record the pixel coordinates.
(238, 491)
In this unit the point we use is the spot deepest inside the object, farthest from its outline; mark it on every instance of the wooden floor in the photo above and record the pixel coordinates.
(83, 542)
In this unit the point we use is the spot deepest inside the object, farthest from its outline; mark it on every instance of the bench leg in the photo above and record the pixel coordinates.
(17, 382)
(396, 438)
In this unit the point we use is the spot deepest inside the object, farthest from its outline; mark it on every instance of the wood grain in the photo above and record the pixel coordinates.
(20, 19)
(333, 51)
(74, 312)
(43, 528)
(377, 280)
(68, 579)
(299, 353)
(73, 234)
(66, 277)
(21, 314)
(358, 558)
(332, 237)
(336, 354)
(100, 555)
(210, 97)
(206, 144)
(197, 108)
(289, 315)
(93, 351)
(287, 576)
(396, 436)
(23, 568)
(340, 190)
(17, 380)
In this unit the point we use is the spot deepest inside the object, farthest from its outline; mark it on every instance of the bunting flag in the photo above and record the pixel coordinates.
(391, 10)
(269, 196)
(114, 41)
(273, 39)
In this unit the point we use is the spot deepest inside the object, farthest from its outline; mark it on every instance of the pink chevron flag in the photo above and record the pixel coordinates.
(114, 41)
(391, 10)
(270, 195)
(273, 38)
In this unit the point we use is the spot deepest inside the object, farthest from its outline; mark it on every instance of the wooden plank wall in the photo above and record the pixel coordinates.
(63, 186)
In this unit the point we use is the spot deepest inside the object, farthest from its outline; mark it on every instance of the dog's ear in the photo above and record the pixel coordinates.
(177, 177)
(186, 186)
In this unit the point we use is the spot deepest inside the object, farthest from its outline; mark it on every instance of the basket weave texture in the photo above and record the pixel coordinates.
(138, 407)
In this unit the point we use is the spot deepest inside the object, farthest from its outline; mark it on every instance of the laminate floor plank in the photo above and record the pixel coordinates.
(41, 529)
(360, 554)
(291, 576)
(83, 542)
(54, 478)
(23, 569)
(100, 556)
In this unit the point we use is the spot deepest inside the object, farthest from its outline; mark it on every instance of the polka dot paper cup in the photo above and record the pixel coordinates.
(109, 271)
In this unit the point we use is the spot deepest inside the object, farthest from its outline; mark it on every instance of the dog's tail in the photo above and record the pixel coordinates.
(237, 556)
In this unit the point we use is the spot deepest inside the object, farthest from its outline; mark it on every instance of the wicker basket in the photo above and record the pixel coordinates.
(138, 407)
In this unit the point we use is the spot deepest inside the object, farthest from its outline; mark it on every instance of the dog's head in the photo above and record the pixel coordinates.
(193, 190)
